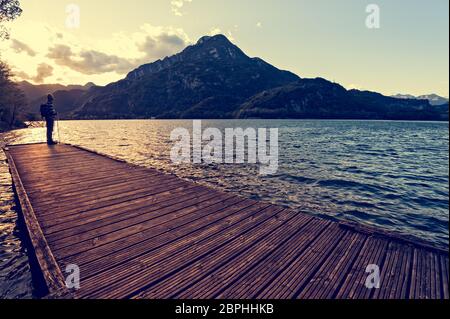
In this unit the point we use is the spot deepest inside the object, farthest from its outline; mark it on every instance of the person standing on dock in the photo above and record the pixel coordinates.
(48, 112)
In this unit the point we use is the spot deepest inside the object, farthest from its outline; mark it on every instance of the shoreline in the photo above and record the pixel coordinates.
(19, 282)
(254, 119)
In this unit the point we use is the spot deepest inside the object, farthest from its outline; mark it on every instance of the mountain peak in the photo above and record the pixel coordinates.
(89, 85)
(207, 48)
(213, 38)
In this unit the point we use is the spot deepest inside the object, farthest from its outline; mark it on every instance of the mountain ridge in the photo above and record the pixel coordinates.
(321, 99)
(214, 78)
(433, 98)
(34, 91)
(193, 78)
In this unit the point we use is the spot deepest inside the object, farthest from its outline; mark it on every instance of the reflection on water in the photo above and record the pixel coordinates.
(392, 175)
(15, 275)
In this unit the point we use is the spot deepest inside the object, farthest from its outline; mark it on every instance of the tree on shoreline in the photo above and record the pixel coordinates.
(9, 10)
(12, 99)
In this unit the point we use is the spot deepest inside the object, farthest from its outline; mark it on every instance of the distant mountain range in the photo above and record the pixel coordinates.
(68, 97)
(35, 91)
(215, 79)
(434, 99)
(321, 99)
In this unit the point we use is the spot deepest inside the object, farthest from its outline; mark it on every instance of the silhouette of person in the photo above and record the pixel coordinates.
(48, 112)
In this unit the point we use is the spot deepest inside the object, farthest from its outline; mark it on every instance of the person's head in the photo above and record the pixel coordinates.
(50, 98)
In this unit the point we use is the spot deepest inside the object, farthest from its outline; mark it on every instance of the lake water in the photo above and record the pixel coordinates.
(391, 175)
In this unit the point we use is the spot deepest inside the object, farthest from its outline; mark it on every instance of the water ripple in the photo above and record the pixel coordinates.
(391, 175)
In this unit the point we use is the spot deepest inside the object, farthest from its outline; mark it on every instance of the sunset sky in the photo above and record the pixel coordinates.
(326, 38)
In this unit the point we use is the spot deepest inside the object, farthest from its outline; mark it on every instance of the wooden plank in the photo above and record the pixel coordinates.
(359, 289)
(256, 267)
(395, 272)
(420, 288)
(127, 227)
(67, 162)
(206, 277)
(252, 281)
(40, 154)
(111, 187)
(99, 201)
(443, 261)
(181, 236)
(51, 272)
(328, 279)
(62, 222)
(101, 218)
(140, 272)
(403, 275)
(291, 280)
(356, 277)
(154, 209)
(89, 191)
(80, 180)
(139, 233)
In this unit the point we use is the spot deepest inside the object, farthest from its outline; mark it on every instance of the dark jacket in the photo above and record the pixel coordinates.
(48, 111)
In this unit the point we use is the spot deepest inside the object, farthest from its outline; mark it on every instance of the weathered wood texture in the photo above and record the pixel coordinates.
(139, 233)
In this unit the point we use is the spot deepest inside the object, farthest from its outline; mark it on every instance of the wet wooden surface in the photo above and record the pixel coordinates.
(138, 233)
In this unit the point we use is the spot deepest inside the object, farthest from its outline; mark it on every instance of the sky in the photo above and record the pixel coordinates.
(80, 41)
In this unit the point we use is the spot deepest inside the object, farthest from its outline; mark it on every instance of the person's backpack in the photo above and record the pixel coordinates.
(47, 110)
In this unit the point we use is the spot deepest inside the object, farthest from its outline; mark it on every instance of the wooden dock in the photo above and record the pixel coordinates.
(139, 233)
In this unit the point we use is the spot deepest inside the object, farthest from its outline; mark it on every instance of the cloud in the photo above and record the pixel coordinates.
(230, 36)
(158, 46)
(354, 86)
(88, 61)
(215, 31)
(21, 75)
(20, 47)
(81, 59)
(148, 45)
(177, 5)
(229, 33)
(43, 71)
